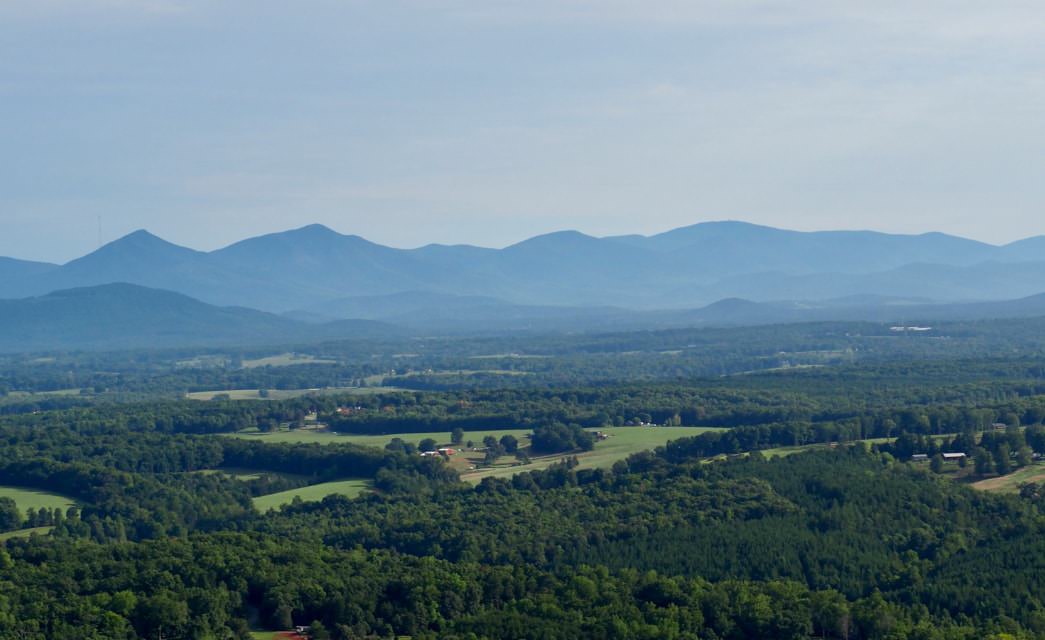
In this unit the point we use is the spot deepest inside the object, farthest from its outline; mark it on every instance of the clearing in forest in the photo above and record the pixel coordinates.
(34, 499)
(1010, 483)
(316, 492)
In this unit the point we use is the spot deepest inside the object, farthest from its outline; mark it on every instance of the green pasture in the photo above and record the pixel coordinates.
(328, 437)
(623, 442)
(1010, 483)
(33, 499)
(286, 360)
(285, 394)
(24, 533)
(350, 488)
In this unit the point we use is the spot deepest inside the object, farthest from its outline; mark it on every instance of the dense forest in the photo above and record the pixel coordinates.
(861, 533)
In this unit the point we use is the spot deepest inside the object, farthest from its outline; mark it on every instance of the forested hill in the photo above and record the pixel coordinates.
(127, 316)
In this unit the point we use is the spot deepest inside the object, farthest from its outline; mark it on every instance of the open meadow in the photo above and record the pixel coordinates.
(1010, 483)
(33, 499)
(282, 394)
(24, 533)
(350, 488)
(329, 437)
(622, 442)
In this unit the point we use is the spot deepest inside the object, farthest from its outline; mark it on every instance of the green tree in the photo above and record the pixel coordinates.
(1002, 459)
(984, 461)
(318, 631)
(509, 443)
(1024, 456)
(10, 516)
(457, 436)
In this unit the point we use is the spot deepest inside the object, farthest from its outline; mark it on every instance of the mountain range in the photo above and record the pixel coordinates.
(313, 283)
(312, 268)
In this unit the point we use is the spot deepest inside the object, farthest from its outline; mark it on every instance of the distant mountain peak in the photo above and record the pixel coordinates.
(138, 245)
(314, 229)
(555, 238)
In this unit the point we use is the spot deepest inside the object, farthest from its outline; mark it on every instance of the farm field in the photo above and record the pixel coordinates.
(20, 396)
(33, 499)
(1010, 483)
(247, 475)
(623, 442)
(327, 437)
(24, 533)
(284, 394)
(285, 360)
(350, 488)
(778, 452)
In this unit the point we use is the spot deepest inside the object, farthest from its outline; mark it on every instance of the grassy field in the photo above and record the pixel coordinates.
(24, 533)
(778, 452)
(286, 394)
(327, 437)
(623, 442)
(350, 488)
(33, 499)
(285, 360)
(1010, 483)
(247, 475)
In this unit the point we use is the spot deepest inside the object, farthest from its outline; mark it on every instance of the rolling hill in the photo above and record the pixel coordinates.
(119, 316)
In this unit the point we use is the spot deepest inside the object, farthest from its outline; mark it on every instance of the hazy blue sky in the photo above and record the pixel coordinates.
(487, 121)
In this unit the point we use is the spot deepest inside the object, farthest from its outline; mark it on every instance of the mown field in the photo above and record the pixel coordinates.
(350, 488)
(623, 442)
(286, 360)
(283, 394)
(33, 499)
(328, 437)
(1010, 483)
(24, 533)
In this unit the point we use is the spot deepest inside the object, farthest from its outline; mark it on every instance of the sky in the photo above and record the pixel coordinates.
(486, 122)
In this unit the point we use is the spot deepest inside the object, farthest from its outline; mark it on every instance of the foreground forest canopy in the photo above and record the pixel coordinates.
(856, 484)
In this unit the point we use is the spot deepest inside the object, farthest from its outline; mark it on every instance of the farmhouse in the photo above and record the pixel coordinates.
(953, 456)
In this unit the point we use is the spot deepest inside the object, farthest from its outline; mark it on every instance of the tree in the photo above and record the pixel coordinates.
(558, 438)
(1002, 460)
(10, 516)
(509, 443)
(318, 631)
(428, 444)
(401, 446)
(984, 461)
(1024, 456)
(936, 465)
(457, 436)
